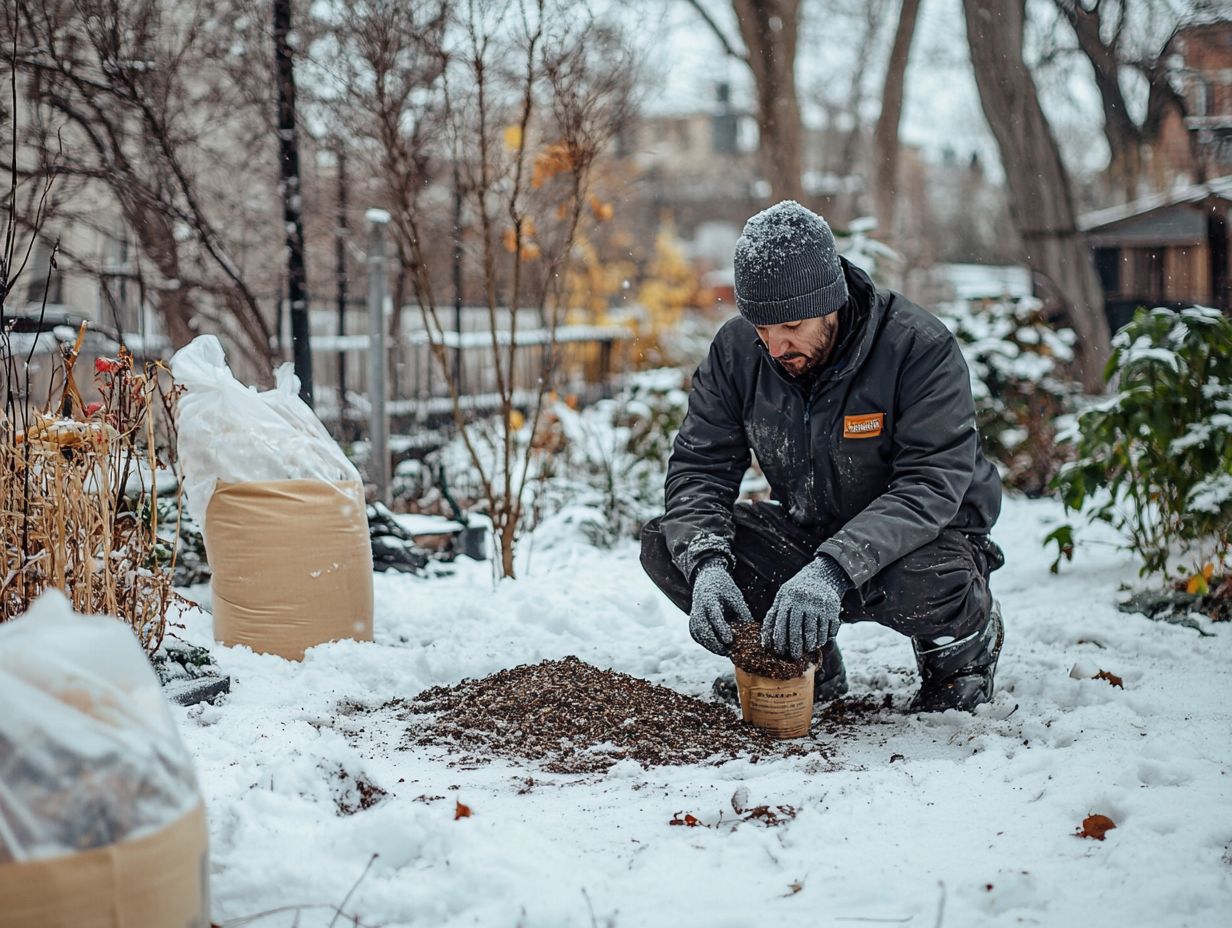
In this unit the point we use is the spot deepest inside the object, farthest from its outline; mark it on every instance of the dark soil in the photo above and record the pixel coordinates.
(355, 793)
(748, 654)
(577, 718)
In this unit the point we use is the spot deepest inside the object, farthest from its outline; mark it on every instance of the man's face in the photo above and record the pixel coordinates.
(801, 346)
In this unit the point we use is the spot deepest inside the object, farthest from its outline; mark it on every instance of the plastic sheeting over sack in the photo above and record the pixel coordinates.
(89, 753)
(233, 433)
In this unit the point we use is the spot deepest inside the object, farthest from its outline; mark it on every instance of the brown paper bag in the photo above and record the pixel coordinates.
(160, 880)
(782, 708)
(292, 564)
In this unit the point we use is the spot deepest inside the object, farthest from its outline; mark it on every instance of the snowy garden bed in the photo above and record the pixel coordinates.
(894, 819)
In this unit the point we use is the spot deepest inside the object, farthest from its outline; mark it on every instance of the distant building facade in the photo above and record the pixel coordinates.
(1198, 58)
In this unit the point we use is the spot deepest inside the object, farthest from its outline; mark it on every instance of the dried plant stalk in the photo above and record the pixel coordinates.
(79, 502)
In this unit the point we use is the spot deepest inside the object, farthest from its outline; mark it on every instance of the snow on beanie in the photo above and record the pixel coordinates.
(787, 267)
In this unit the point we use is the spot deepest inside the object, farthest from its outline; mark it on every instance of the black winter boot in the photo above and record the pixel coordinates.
(829, 683)
(959, 675)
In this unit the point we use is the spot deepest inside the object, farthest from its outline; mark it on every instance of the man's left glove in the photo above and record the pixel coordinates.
(805, 613)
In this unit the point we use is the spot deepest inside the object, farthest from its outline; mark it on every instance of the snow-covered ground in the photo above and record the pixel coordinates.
(942, 820)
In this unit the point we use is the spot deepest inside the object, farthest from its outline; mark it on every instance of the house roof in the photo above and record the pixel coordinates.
(1194, 195)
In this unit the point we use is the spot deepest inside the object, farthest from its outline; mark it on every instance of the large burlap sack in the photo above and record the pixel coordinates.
(292, 564)
(282, 509)
(101, 820)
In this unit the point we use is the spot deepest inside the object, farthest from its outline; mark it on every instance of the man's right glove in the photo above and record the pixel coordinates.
(716, 599)
(805, 613)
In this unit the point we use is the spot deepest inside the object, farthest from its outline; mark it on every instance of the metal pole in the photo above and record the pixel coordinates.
(378, 436)
(340, 277)
(457, 277)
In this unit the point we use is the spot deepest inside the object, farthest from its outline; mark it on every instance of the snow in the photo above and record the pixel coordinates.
(1210, 495)
(906, 819)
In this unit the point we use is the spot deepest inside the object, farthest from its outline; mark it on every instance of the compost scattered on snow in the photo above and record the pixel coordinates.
(580, 719)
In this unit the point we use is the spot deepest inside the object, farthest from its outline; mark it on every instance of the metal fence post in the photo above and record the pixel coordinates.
(378, 435)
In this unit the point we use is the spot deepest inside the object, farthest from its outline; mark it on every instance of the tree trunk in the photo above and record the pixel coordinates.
(769, 29)
(1040, 199)
(292, 201)
(885, 138)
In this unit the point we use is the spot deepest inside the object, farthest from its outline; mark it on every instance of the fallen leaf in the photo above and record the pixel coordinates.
(689, 821)
(793, 888)
(1112, 678)
(1095, 826)
(461, 810)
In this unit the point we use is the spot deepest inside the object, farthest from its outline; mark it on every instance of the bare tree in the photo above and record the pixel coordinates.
(885, 137)
(516, 100)
(1102, 29)
(1041, 201)
(389, 58)
(124, 95)
(769, 30)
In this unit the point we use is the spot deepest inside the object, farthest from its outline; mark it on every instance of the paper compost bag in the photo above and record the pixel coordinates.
(101, 820)
(285, 525)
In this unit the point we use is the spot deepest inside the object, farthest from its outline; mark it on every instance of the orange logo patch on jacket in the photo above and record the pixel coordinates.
(868, 425)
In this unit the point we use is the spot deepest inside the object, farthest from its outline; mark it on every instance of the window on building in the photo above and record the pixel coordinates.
(46, 282)
(1108, 265)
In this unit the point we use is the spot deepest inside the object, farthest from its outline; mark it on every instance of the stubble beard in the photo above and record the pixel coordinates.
(817, 357)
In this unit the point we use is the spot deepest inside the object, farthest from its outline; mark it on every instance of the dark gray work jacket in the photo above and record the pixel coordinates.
(879, 452)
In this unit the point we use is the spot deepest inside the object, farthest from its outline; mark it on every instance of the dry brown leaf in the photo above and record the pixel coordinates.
(1095, 826)
(461, 810)
(1112, 678)
(688, 821)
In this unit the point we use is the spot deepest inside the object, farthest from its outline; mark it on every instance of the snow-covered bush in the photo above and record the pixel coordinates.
(1155, 458)
(1022, 383)
(875, 258)
(609, 459)
(612, 456)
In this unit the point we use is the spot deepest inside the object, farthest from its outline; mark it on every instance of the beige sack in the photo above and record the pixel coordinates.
(292, 564)
(159, 880)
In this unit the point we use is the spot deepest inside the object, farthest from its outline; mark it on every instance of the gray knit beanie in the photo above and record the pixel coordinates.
(787, 267)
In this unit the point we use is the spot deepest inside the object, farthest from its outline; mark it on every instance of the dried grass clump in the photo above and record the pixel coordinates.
(78, 501)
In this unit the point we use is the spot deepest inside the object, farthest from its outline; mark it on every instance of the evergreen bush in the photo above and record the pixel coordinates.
(1154, 459)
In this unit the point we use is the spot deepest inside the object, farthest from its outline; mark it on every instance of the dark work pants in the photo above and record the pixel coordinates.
(937, 590)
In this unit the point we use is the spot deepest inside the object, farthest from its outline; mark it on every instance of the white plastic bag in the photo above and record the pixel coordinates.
(234, 433)
(89, 753)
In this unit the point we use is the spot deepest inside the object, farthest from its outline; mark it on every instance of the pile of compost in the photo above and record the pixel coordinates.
(576, 718)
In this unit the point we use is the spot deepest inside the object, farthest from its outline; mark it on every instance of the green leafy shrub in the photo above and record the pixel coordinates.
(1154, 459)
(1021, 379)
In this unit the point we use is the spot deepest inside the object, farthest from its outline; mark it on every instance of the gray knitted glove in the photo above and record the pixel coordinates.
(805, 613)
(716, 600)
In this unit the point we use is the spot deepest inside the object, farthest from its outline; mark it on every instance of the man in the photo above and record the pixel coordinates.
(858, 406)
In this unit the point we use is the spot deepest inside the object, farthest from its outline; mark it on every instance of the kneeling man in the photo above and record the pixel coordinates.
(858, 406)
